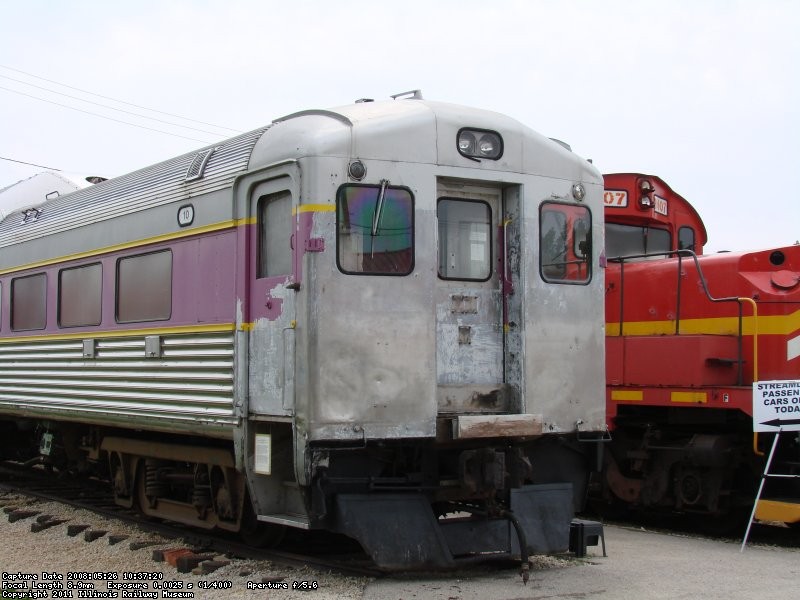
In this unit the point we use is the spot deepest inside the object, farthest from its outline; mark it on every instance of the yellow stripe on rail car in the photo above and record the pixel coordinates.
(767, 325)
(627, 395)
(689, 397)
(175, 235)
(115, 333)
(303, 208)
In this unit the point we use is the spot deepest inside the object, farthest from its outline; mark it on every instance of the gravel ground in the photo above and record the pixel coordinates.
(641, 564)
(53, 551)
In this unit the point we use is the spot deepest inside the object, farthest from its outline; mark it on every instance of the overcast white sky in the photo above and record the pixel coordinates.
(703, 93)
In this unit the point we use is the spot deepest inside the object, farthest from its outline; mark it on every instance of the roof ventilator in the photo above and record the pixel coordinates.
(198, 166)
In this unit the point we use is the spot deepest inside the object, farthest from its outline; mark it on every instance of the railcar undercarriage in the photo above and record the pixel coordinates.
(432, 505)
(410, 505)
(669, 461)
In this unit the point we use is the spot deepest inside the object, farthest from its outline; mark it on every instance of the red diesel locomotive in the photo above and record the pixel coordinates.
(687, 335)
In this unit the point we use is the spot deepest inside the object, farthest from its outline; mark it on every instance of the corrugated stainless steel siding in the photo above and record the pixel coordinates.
(159, 184)
(189, 387)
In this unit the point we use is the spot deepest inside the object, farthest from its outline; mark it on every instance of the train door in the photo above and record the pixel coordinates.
(469, 301)
(273, 285)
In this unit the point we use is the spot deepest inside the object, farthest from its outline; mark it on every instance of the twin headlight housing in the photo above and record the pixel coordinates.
(480, 143)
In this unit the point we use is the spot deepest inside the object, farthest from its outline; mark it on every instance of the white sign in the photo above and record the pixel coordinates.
(185, 215)
(661, 206)
(776, 404)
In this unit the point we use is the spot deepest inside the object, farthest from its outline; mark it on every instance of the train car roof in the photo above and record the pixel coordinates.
(307, 133)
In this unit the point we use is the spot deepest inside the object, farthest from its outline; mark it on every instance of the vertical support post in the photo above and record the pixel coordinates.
(761, 487)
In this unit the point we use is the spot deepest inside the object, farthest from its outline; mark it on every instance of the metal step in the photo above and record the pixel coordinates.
(290, 520)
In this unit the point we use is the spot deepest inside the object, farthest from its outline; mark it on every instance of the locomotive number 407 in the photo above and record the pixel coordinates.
(615, 198)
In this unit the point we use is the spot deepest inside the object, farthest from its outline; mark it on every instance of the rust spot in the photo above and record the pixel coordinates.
(491, 399)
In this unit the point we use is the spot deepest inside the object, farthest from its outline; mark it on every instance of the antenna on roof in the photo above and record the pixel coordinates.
(414, 94)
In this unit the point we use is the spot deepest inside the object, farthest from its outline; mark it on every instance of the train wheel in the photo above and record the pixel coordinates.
(257, 533)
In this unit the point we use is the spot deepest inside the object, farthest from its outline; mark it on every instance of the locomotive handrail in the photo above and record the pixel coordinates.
(621, 260)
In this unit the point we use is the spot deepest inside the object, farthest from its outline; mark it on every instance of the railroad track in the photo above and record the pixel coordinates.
(331, 553)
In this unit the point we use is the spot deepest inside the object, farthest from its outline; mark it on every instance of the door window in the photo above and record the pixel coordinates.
(465, 239)
(274, 234)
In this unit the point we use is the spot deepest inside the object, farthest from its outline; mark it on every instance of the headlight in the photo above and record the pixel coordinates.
(466, 143)
(480, 143)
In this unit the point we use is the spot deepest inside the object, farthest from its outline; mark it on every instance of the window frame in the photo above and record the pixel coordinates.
(643, 232)
(12, 302)
(262, 258)
(119, 261)
(569, 243)
(693, 246)
(59, 297)
(491, 241)
(412, 223)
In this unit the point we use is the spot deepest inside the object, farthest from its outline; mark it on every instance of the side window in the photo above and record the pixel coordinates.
(144, 287)
(465, 239)
(29, 302)
(274, 235)
(374, 230)
(565, 243)
(686, 239)
(80, 296)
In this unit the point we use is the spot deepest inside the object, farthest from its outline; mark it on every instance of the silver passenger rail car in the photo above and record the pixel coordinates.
(384, 320)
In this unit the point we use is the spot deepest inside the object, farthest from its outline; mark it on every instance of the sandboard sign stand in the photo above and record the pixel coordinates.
(776, 409)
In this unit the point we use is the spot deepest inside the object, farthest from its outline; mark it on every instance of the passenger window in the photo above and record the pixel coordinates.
(686, 239)
(465, 239)
(80, 296)
(144, 287)
(29, 302)
(274, 235)
(374, 230)
(565, 243)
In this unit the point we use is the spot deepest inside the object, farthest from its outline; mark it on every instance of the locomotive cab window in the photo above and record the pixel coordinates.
(632, 240)
(274, 234)
(29, 302)
(565, 243)
(686, 239)
(374, 230)
(144, 287)
(465, 239)
(80, 295)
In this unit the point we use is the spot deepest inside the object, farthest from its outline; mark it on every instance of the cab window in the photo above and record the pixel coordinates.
(565, 243)
(374, 230)
(686, 239)
(632, 240)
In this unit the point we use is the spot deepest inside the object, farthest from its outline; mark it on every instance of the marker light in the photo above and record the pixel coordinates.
(646, 190)
(356, 170)
(480, 143)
